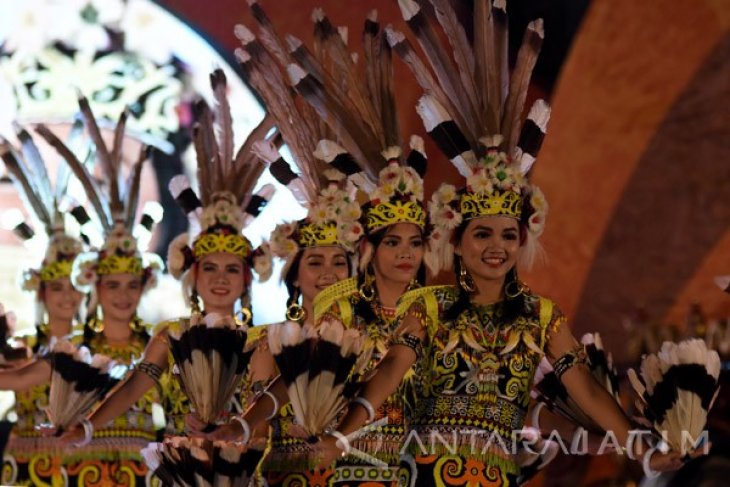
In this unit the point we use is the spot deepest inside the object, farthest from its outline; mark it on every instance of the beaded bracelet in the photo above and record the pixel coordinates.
(569, 360)
(154, 371)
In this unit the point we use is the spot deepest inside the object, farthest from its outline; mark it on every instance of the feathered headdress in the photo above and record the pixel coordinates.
(473, 111)
(28, 170)
(226, 204)
(115, 206)
(359, 106)
(333, 212)
(676, 390)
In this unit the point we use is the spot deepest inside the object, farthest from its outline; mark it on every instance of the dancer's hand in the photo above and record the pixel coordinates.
(72, 436)
(674, 460)
(326, 451)
(231, 431)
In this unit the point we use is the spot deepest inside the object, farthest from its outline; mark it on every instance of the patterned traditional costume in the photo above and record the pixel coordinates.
(27, 451)
(477, 363)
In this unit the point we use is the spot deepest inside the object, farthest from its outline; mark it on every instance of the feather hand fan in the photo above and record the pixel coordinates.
(549, 390)
(533, 453)
(676, 390)
(183, 461)
(10, 352)
(319, 366)
(211, 359)
(78, 381)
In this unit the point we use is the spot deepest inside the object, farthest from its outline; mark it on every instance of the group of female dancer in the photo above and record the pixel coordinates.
(453, 365)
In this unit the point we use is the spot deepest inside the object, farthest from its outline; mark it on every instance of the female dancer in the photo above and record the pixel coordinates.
(476, 345)
(391, 256)
(57, 301)
(116, 277)
(215, 269)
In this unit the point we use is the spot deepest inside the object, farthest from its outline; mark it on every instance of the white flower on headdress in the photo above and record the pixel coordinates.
(536, 222)
(331, 196)
(176, 255)
(446, 217)
(445, 194)
(319, 214)
(67, 245)
(480, 182)
(31, 280)
(351, 232)
(120, 241)
(222, 212)
(334, 175)
(262, 262)
(86, 273)
(281, 244)
(351, 211)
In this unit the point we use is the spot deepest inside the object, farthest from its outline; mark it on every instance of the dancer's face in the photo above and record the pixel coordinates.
(400, 253)
(320, 267)
(220, 280)
(489, 247)
(119, 295)
(61, 299)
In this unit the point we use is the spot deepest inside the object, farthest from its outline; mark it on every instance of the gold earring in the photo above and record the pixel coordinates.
(136, 325)
(96, 325)
(295, 312)
(520, 289)
(245, 316)
(465, 280)
(367, 290)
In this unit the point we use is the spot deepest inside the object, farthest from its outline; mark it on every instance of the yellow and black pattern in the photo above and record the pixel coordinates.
(508, 203)
(56, 270)
(317, 234)
(388, 213)
(232, 243)
(120, 264)
(474, 391)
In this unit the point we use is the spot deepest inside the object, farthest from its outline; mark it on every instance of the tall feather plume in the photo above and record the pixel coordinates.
(470, 83)
(25, 179)
(133, 185)
(297, 121)
(36, 167)
(223, 117)
(93, 192)
(440, 61)
(75, 141)
(107, 161)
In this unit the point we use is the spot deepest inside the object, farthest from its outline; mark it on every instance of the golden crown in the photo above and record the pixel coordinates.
(316, 234)
(120, 264)
(508, 203)
(388, 213)
(56, 270)
(232, 243)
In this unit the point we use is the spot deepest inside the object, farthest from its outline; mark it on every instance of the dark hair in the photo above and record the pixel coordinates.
(292, 274)
(508, 310)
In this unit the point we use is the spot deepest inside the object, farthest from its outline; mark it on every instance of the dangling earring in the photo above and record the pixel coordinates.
(136, 324)
(414, 284)
(518, 289)
(367, 290)
(295, 312)
(194, 303)
(245, 311)
(96, 325)
(465, 280)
